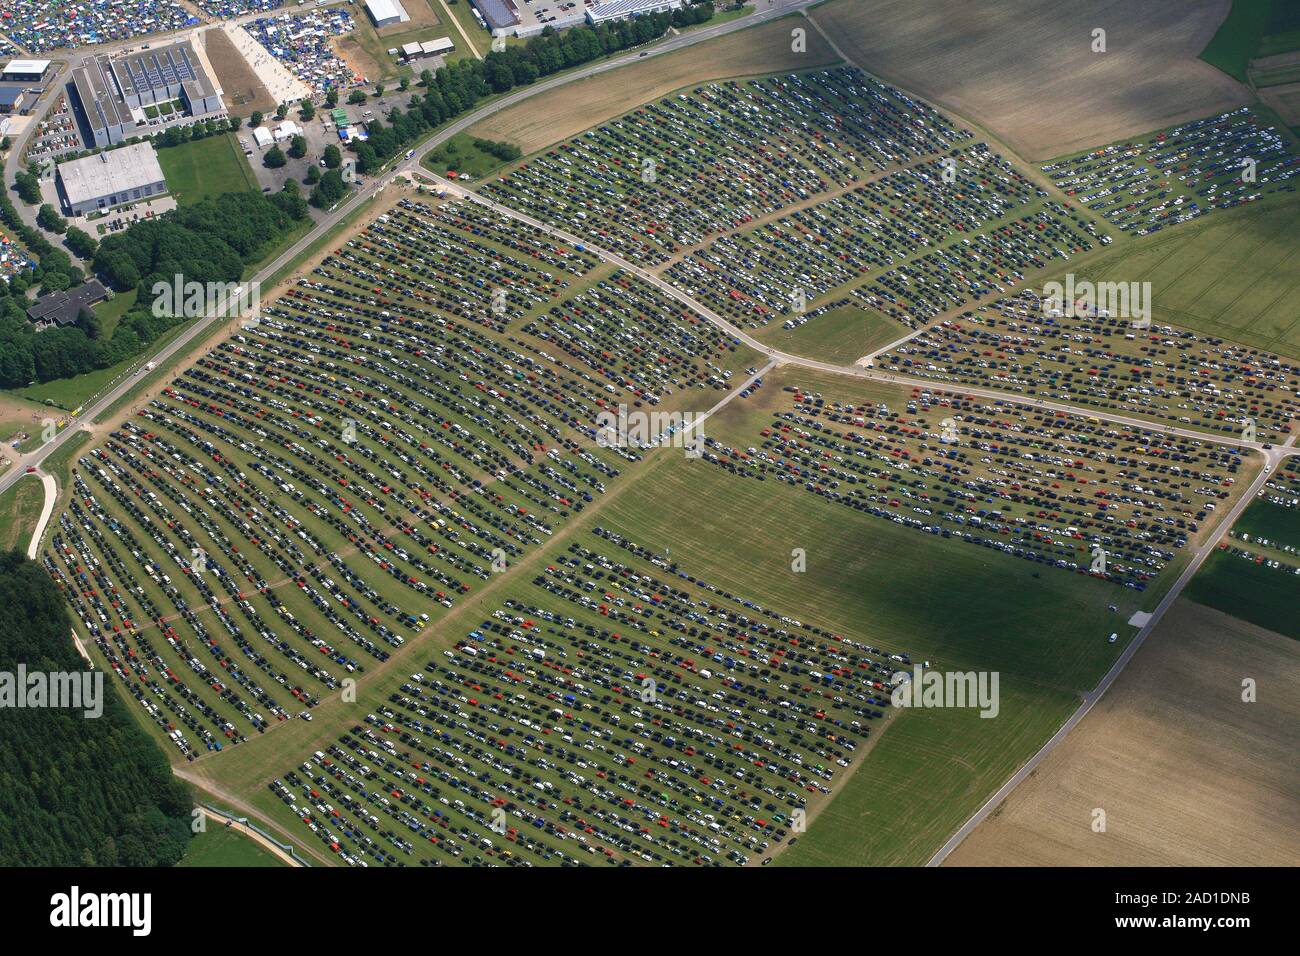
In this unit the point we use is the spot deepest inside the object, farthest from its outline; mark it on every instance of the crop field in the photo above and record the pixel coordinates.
(558, 114)
(1182, 173)
(1027, 71)
(1175, 715)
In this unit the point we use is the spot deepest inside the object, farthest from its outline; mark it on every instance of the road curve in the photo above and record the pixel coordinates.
(47, 509)
(332, 219)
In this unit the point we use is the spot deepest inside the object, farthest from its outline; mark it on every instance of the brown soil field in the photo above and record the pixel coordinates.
(1187, 773)
(242, 90)
(1285, 100)
(1025, 70)
(550, 117)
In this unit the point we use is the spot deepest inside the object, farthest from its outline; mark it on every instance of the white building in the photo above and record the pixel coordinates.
(622, 9)
(111, 178)
(385, 13)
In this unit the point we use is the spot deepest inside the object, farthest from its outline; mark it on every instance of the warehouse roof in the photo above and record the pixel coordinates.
(386, 10)
(27, 66)
(112, 171)
(497, 13)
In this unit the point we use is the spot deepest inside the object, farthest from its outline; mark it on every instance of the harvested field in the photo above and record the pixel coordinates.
(1026, 70)
(242, 88)
(1285, 100)
(574, 107)
(1187, 773)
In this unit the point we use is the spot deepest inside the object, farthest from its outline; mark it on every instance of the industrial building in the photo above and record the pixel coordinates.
(12, 99)
(622, 9)
(25, 71)
(439, 47)
(111, 178)
(501, 16)
(386, 13)
(112, 93)
(528, 18)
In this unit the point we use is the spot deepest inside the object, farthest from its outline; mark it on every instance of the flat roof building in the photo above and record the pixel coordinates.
(385, 13)
(438, 47)
(501, 16)
(25, 71)
(113, 92)
(64, 308)
(622, 9)
(111, 178)
(106, 117)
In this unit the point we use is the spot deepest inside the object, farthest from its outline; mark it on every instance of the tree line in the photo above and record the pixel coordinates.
(75, 791)
(210, 241)
(456, 89)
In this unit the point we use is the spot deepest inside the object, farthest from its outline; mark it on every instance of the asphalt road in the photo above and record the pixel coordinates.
(775, 9)
(373, 186)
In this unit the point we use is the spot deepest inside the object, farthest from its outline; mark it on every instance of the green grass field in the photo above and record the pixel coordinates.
(1238, 38)
(59, 464)
(69, 393)
(958, 606)
(459, 154)
(1278, 524)
(20, 509)
(841, 335)
(111, 311)
(220, 846)
(1255, 593)
(929, 772)
(1235, 274)
(205, 168)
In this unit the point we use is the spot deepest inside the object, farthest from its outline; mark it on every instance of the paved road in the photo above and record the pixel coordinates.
(775, 9)
(1272, 457)
(373, 186)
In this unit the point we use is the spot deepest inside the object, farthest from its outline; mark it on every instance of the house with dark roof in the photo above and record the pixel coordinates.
(63, 308)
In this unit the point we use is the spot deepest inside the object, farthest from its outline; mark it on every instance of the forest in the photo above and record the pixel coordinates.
(76, 791)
